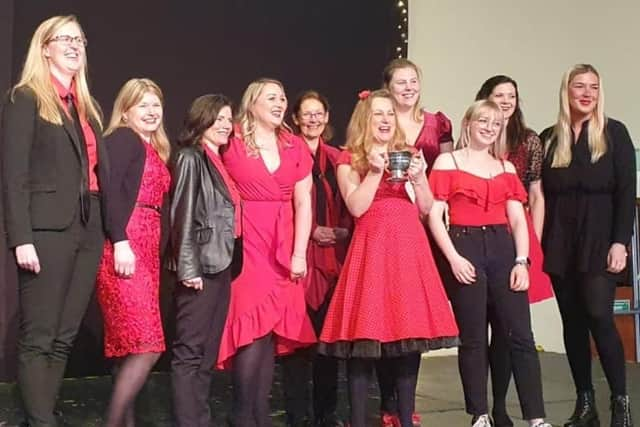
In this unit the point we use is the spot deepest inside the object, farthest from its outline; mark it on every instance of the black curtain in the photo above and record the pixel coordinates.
(192, 47)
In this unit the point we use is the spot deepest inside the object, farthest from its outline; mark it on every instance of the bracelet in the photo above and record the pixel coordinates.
(522, 260)
(298, 256)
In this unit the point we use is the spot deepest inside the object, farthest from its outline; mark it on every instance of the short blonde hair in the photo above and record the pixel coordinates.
(131, 94)
(37, 77)
(359, 136)
(475, 110)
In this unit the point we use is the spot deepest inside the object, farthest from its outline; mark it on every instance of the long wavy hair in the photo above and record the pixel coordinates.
(517, 131)
(327, 133)
(131, 94)
(360, 139)
(37, 77)
(245, 119)
(387, 76)
(202, 114)
(561, 139)
(478, 108)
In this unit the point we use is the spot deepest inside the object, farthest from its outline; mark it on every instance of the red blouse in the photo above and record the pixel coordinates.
(474, 200)
(231, 186)
(89, 136)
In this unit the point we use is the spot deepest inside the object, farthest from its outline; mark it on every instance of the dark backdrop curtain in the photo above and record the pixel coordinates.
(193, 47)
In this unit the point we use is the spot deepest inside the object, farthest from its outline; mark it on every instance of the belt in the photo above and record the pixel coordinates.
(478, 228)
(148, 206)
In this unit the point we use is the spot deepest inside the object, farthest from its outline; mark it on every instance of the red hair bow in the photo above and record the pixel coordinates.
(364, 94)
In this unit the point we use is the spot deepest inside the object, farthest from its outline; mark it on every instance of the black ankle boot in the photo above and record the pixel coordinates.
(621, 412)
(585, 413)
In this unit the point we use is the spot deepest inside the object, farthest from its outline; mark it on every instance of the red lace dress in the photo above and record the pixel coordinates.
(389, 299)
(131, 307)
(263, 297)
(527, 159)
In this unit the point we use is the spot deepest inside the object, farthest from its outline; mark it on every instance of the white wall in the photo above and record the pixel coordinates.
(460, 43)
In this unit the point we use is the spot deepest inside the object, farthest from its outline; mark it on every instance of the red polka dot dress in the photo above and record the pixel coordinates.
(389, 299)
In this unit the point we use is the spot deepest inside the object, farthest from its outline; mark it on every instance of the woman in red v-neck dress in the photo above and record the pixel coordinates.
(267, 314)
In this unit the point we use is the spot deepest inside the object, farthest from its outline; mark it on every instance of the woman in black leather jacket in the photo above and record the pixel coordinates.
(203, 235)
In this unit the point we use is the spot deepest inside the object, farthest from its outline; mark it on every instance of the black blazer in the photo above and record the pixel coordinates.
(42, 169)
(202, 218)
(128, 155)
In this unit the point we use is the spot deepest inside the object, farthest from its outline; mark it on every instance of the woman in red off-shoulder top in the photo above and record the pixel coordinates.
(487, 247)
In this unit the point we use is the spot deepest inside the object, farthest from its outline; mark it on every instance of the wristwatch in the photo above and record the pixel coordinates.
(522, 260)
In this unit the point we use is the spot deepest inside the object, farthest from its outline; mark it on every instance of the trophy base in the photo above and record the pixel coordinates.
(397, 179)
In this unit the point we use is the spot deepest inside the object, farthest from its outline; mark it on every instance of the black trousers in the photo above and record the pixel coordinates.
(305, 365)
(52, 304)
(491, 251)
(586, 308)
(200, 317)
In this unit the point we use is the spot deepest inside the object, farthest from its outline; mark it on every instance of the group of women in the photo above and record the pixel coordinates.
(283, 245)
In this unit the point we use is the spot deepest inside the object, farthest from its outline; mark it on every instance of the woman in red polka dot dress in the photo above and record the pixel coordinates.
(389, 301)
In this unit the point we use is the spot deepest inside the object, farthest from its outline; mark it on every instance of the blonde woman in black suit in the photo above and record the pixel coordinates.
(54, 168)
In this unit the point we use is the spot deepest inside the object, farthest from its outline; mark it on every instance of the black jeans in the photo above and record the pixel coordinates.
(586, 307)
(200, 317)
(491, 251)
(52, 304)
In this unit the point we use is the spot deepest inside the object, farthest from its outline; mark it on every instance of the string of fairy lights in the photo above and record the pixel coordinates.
(402, 46)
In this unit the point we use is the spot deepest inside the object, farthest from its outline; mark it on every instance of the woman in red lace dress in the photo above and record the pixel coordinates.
(129, 276)
(389, 301)
(271, 168)
(525, 151)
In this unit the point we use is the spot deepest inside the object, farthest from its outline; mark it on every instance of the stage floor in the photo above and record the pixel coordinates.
(439, 398)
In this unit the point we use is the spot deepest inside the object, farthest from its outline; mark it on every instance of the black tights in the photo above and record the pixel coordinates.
(404, 370)
(129, 373)
(586, 306)
(252, 375)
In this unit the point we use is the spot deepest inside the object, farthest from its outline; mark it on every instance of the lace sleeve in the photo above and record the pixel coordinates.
(536, 156)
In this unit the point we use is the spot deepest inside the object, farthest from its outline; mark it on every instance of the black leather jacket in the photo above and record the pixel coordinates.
(202, 217)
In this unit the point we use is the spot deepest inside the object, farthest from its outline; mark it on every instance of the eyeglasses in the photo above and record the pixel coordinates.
(68, 40)
(313, 115)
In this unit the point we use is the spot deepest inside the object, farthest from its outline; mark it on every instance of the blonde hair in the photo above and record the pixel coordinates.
(499, 148)
(131, 94)
(360, 139)
(387, 76)
(561, 156)
(37, 77)
(245, 118)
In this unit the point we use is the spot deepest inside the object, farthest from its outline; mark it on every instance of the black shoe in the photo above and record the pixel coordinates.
(501, 419)
(585, 413)
(621, 412)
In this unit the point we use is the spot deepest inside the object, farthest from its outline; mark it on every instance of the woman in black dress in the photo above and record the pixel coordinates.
(589, 179)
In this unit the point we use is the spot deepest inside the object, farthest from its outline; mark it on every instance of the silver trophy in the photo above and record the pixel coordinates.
(399, 162)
